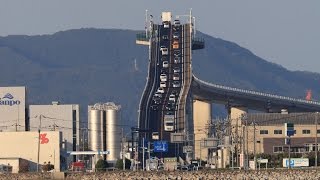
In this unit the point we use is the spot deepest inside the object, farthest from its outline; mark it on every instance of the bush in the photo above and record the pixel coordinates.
(101, 165)
(119, 163)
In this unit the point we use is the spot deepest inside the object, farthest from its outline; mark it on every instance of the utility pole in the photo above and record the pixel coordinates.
(39, 129)
(254, 145)
(316, 141)
(122, 151)
(143, 158)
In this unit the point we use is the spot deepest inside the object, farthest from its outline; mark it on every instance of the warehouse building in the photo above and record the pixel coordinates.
(58, 117)
(21, 150)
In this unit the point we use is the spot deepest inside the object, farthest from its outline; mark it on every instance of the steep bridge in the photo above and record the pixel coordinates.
(167, 103)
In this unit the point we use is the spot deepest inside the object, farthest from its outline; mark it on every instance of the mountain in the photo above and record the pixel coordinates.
(86, 66)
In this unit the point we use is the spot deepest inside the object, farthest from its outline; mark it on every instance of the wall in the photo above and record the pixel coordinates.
(25, 145)
(12, 108)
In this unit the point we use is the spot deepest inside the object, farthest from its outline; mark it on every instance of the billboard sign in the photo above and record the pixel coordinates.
(295, 162)
(160, 146)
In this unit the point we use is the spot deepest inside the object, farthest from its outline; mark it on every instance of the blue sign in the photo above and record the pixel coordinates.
(160, 146)
(291, 162)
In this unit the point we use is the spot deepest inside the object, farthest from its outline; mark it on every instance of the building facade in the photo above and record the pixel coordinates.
(13, 109)
(58, 117)
(27, 146)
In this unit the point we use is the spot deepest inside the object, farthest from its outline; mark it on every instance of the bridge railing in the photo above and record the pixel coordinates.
(256, 93)
(142, 37)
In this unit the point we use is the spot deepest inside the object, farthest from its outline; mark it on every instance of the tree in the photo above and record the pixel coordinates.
(101, 165)
(119, 164)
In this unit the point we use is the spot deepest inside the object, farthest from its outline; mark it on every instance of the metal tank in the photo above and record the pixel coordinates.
(113, 131)
(95, 125)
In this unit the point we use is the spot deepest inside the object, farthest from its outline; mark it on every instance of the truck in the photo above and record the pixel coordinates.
(169, 122)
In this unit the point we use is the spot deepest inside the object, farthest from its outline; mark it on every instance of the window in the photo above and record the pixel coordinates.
(305, 131)
(277, 149)
(318, 131)
(263, 131)
(277, 131)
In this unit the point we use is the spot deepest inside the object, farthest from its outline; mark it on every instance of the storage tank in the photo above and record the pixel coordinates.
(113, 131)
(95, 125)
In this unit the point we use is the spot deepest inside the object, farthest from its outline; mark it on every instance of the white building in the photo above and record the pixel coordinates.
(58, 117)
(17, 146)
(12, 109)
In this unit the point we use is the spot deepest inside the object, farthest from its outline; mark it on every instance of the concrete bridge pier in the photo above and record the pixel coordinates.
(238, 133)
(202, 121)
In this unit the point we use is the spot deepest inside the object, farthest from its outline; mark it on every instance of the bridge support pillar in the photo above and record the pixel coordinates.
(236, 117)
(202, 128)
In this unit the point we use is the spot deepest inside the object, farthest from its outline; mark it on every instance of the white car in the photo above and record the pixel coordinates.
(157, 95)
(166, 24)
(176, 22)
(165, 64)
(176, 59)
(176, 76)
(176, 70)
(176, 84)
(163, 77)
(164, 51)
(176, 35)
(163, 84)
(161, 90)
(172, 97)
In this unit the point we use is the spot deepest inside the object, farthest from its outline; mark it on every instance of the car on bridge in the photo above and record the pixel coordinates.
(175, 45)
(163, 84)
(176, 84)
(165, 37)
(165, 64)
(161, 90)
(164, 50)
(165, 24)
(172, 97)
(176, 76)
(176, 52)
(157, 95)
(175, 35)
(163, 77)
(176, 22)
(176, 69)
(176, 59)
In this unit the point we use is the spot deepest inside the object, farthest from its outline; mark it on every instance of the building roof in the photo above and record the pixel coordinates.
(265, 119)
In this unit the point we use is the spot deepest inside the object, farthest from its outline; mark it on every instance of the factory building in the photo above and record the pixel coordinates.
(13, 109)
(104, 129)
(20, 150)
(58, 117)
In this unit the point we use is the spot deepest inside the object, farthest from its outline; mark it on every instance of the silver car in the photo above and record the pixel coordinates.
(176, 84)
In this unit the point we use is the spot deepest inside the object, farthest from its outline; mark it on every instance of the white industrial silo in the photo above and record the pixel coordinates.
(113, 131)
(95, 126)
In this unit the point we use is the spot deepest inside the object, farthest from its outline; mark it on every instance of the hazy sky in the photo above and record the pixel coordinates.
(286, 32)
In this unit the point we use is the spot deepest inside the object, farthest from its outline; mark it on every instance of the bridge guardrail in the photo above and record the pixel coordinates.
(256, 93)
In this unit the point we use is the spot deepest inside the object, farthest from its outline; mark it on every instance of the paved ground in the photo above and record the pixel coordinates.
(196, 175)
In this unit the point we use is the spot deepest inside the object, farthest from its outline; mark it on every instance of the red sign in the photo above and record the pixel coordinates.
(43, 139)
